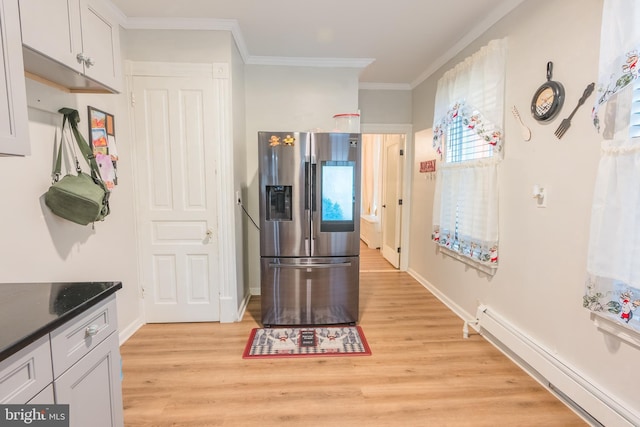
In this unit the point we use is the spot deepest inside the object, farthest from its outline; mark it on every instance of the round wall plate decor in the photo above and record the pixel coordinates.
(548, 99)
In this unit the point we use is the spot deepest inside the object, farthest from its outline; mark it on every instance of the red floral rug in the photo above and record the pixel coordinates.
(306, 342)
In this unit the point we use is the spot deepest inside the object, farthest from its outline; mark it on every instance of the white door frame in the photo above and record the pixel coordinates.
(406, 180)
(224, 185)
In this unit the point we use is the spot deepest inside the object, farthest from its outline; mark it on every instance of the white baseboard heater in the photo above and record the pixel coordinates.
(578, 393)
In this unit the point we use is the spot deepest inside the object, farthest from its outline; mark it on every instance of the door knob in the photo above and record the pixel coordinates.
(209, 233)
(384, 206)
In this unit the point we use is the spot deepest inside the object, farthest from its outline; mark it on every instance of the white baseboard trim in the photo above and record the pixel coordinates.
(130, 329)
(243, 306)
(564, 381)
(459, 311)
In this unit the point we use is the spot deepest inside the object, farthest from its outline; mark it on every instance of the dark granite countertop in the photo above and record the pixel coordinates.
(30, 310)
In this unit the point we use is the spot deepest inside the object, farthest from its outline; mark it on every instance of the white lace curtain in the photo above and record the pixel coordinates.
(465, 215)
(613, 264)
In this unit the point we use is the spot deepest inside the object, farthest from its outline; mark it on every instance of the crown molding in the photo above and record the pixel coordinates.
(310, 62)
(179, 24)
(385, 86)
(206, 24)
(233, 26)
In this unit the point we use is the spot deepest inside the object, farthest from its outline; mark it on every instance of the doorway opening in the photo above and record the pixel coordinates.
(384, 208)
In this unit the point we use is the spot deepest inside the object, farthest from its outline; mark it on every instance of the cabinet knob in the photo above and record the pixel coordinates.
(88, 61)
(92, 330)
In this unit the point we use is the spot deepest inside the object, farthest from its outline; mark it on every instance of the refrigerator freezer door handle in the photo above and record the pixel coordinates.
(305, 266)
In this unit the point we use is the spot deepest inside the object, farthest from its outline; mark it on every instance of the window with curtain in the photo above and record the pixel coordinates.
(613, 261)
(468, 123)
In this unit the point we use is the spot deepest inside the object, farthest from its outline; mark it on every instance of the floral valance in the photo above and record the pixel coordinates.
(613, 299)
(621, 73)
(471, 119)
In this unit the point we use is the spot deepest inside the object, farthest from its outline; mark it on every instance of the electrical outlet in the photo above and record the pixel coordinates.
(238, 198)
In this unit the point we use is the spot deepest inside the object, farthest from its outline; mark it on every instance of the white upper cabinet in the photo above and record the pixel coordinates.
(52, 27)
(101, 46)
(74, 43)
(14, 122)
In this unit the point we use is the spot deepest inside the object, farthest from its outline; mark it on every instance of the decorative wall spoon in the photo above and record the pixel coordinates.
(526, 132)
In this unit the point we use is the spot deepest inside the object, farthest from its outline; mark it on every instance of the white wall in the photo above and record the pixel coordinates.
(37, 246)
(239, 167)
(539, 285)
(288, 99)
(385, 106)
(190, 46)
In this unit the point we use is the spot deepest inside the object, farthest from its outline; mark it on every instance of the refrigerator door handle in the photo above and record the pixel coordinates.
(305, 266)
(313, 208)
(307, 184)
(313, 185)
(307, 208)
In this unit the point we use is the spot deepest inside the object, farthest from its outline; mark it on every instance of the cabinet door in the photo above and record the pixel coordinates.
(92, 387)
(14, 123)
(45, 397)
(101, 45)
(26, 372)
(52, 28)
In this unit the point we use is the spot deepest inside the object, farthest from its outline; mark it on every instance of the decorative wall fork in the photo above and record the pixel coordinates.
(566, 123)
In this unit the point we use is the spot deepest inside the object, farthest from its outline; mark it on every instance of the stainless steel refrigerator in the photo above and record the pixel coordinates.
(309, 227)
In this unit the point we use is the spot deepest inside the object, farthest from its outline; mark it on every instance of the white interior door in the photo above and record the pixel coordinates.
(391, 196)
(174, 118)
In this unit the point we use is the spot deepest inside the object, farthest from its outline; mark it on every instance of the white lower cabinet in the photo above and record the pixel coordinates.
(26, 373)
(45, 397)
(77, 364)
(92, 389)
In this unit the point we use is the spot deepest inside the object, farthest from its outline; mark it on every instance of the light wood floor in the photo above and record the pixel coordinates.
(421, 373)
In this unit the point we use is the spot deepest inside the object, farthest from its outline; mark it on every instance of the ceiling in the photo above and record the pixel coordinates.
(397, 43)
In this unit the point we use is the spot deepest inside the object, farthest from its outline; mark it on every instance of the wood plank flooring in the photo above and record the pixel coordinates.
(421, 373)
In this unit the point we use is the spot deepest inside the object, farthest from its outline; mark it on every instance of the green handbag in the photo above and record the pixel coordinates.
(80, 198)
